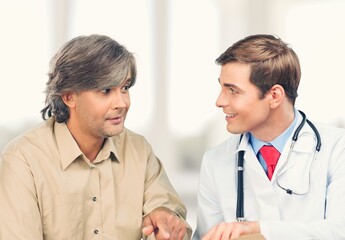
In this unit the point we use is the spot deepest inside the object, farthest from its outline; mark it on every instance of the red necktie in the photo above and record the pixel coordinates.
(271, 156)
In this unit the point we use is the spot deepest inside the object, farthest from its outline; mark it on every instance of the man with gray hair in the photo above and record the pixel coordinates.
(81, 174)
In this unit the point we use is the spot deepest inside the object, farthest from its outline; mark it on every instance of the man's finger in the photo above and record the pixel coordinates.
(162, 232)
(148, 230)
(148, 227)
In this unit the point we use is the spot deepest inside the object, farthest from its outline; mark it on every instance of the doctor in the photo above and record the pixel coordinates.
(298, 195)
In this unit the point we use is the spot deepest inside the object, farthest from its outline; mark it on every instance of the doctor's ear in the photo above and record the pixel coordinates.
(277, 94)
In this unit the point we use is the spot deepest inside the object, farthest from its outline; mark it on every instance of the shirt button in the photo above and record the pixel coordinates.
(94, 199)
(96, 231)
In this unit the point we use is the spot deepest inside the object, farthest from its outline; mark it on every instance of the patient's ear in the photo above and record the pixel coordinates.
(69, 99)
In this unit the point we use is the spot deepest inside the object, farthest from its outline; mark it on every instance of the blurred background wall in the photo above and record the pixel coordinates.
(175, 43)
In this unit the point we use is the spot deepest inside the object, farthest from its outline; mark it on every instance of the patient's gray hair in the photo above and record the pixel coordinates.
(85, 63)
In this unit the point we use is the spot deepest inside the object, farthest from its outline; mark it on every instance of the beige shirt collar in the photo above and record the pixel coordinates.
(69, 150)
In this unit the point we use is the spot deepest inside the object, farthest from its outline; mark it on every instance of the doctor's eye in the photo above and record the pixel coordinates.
(232, 90)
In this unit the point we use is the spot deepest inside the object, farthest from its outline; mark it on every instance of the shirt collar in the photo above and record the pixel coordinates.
(278, 142)
(108, 151)
(70, 151)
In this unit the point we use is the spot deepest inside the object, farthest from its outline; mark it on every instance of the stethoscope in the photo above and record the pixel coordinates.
(240, 199)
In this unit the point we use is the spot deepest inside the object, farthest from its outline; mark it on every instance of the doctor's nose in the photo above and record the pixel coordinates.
(221, 101)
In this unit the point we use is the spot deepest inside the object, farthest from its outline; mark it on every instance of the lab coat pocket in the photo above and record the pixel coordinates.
(62, 216)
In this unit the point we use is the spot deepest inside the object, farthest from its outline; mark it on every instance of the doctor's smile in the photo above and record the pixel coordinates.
(229, 116)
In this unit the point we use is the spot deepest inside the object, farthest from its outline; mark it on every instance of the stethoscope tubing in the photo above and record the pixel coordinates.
(240, 169)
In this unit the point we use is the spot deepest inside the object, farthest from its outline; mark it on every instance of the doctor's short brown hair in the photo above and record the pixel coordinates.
(272, 62)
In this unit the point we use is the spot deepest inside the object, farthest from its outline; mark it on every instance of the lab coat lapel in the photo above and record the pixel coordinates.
(258, 189)
(250, 159)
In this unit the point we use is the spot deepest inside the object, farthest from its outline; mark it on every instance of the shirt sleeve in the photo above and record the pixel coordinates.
(159, 192)
(209, 211)
(19, 212)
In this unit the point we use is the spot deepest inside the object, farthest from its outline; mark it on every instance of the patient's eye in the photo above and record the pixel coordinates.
(105, 91)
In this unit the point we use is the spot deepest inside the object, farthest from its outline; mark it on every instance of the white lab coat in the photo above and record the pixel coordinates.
(319, 214)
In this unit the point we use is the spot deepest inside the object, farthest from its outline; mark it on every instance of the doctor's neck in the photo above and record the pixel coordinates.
(277, 122)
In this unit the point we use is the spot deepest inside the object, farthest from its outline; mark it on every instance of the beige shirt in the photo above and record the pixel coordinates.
(49, 190)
